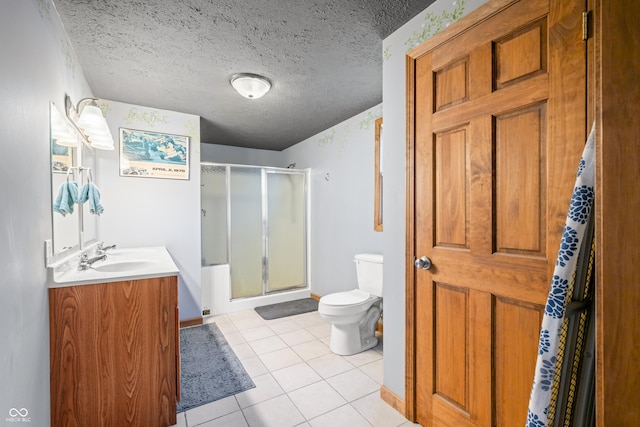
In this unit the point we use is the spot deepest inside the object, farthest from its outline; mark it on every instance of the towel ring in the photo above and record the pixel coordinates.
(69, 171)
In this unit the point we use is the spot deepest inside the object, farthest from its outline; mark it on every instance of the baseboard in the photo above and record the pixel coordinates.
(393, 400)
(315, 296)
(190, 322)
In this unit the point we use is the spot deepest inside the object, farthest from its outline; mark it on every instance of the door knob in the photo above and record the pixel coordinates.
(423, 262)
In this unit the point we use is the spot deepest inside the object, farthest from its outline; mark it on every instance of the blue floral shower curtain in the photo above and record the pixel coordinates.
(575, 227)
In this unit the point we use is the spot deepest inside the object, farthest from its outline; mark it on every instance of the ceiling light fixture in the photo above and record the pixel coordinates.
(251, 86)
(90, 122)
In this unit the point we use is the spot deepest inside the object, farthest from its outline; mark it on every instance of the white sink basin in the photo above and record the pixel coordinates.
(119, 253)
(123, 266)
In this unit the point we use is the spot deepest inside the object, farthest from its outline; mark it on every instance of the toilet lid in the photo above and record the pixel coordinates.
(355, 296)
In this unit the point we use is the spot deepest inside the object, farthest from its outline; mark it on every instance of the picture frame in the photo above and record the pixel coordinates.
(148, 154)
(61, 157)
(378, 177)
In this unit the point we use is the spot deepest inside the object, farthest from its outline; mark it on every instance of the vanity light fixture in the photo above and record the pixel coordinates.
(87, 117)
(251, 86)
(62, 133)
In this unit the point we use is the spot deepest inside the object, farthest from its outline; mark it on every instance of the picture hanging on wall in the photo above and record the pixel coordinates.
(61, 157)
(153, 155)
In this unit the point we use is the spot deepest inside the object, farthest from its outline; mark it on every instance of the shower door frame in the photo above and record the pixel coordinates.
(264, 171)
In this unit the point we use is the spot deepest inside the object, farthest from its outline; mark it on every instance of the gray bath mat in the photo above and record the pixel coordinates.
(210, 370)
(289, 308)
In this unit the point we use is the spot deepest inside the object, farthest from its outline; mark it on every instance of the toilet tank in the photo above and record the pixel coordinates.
(369, 273)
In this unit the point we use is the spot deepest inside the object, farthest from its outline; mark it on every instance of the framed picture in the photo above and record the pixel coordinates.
(61, 157)
(153, 155)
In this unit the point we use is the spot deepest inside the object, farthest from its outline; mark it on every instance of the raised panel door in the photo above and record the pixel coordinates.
(498, 120)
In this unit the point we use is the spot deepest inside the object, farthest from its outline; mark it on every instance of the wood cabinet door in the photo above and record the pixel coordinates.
(113, 353)
(498, 124)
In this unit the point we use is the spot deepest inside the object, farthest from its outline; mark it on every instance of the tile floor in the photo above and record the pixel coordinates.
(299, 381)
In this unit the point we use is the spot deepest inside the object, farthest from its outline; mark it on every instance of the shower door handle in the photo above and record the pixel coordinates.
(423, 263)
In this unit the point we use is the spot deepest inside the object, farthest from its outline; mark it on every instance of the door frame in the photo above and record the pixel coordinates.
(617, 232)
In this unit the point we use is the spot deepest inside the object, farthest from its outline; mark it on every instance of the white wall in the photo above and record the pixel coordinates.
(394, 49)
(37, 65)
(341, 159)
(142, 211)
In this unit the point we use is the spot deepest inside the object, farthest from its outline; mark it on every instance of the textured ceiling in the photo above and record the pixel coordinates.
(324, 59)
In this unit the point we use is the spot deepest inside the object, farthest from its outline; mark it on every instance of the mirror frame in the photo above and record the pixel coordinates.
(378, 180)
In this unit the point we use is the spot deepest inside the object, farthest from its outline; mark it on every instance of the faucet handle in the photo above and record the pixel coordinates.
(84, 257)
(101, 249)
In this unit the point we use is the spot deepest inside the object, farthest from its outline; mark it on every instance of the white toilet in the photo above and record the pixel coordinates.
(354, 314)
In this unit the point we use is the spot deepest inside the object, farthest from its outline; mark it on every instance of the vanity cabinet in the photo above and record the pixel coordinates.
(114, 353)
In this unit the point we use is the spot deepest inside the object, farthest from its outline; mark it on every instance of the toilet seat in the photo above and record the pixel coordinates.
(354, 296)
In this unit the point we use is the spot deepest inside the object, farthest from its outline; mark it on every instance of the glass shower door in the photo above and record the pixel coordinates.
(255, 220)
(245, 201)
(286, 230)
(213, 202)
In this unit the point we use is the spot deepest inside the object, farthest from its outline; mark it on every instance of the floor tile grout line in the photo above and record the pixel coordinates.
(302, 326)
(306, 385)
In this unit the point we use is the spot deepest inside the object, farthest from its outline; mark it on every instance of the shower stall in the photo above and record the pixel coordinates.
(254, 235)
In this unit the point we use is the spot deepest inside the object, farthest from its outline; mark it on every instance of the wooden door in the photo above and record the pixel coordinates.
(497, 125)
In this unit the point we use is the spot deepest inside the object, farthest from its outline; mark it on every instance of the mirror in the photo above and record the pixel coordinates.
(71, 161)
(88, 221)
(377, 208)
(63, 161)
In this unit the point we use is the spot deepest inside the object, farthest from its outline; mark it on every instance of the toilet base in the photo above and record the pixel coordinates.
(352, 338)
(345, 348)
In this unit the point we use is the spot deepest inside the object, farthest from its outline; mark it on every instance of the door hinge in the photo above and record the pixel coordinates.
(585, 25)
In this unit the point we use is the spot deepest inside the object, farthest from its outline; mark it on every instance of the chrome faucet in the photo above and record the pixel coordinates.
(101, 250)
(86, 262)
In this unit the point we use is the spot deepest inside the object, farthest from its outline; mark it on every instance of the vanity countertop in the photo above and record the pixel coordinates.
(120, 265)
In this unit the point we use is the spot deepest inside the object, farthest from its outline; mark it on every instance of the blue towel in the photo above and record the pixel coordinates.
(91, 193)
(67, 197)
